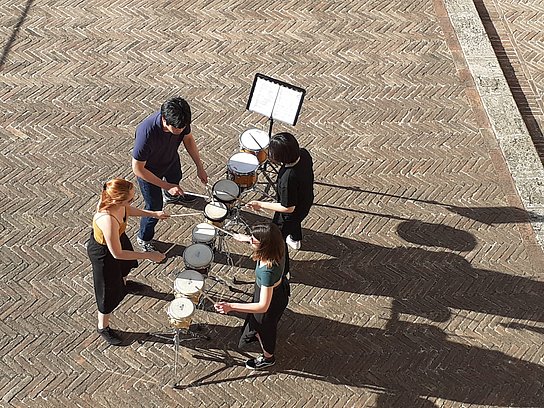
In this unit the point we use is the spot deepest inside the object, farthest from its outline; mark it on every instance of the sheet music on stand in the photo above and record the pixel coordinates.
(275, 99)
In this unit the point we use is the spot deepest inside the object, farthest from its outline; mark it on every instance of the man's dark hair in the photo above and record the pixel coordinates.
(176, 112)
(284, 148)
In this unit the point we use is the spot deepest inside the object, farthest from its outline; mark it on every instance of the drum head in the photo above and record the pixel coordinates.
(226, 191)
(188, 282)
(204, 232)
(215, 211)
(181, 308)
(243, 163)
(254, 139)
(198, 255)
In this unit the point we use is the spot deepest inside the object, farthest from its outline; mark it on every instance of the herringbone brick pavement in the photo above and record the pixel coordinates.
(420, 281)
(515, 31)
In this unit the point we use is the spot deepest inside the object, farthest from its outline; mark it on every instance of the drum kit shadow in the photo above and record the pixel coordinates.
(222, 218)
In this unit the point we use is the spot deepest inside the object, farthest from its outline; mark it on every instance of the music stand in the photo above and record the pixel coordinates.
(277, 100)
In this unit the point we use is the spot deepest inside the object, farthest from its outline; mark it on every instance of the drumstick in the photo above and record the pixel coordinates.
(205, 296)
(196, 194)
(169, 249)
(222, 230)
(184, 215)
(258, 144)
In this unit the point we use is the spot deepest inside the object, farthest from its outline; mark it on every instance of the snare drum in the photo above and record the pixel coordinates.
(242, 169)
(180, 311)
(226, 191)
(189, 284)
(198, 257)
(204, 233)
(255, 141)
(216, 213)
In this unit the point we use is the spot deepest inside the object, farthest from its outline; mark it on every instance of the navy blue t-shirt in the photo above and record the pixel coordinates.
(159, 149)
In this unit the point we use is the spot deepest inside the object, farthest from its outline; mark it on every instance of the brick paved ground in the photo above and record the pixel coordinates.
(515, 30)
(420, 281)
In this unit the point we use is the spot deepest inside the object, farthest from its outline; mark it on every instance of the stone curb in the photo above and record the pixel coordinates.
(506, 121)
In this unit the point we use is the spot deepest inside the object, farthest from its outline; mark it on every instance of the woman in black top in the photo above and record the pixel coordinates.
(295, 186)
(271, 293)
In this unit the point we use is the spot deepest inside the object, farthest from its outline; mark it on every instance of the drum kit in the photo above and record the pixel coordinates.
(221, 216)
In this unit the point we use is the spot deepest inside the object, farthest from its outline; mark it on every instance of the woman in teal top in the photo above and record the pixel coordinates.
(271, 293)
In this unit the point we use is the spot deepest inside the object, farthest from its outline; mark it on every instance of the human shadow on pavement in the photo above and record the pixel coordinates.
(485, 215)
(497, 215)
(136, 288)
(436, 235)
(404, 364)
(428, 283)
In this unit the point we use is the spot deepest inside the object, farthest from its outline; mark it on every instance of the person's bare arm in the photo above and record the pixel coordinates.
(110, 229)
(138, 167)
(260, 307)
(265, 205)
(191, 147)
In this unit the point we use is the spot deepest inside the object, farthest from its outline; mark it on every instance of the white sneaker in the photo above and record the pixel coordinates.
(147, 246)
(293, 244)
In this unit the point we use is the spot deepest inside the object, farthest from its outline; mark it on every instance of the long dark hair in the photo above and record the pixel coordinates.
(272, 245)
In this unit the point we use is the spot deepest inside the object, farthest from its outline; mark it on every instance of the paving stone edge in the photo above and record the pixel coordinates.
(505, 118)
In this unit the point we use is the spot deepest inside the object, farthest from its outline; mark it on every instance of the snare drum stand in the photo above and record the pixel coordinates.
(267, 169)
(176, 340)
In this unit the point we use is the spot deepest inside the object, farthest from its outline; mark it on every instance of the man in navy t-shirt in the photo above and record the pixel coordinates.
(156, 163)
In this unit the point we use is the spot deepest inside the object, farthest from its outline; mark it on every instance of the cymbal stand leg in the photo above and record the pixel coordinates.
(176, 351)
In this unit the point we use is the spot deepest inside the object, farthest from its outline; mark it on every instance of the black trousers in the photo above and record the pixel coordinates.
(108, 273)
(266, 324)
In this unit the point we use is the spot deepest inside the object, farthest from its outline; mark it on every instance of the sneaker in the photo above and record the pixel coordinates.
(179, 199)
(147, 246)
(260, 363)
(293, 244)
(110, 336)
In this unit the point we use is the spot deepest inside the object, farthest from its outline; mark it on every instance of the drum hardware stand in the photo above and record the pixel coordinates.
(270, 183)
(211, 356)
(176, 340)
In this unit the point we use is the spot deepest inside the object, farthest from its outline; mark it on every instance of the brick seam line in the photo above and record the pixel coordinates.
(506, 121)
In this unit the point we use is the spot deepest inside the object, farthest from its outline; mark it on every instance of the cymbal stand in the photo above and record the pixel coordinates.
(175, 336)
(270, 173)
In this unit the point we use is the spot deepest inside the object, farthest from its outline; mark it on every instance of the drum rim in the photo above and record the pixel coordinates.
(242, 145)
(195, 267)
(222, 200)
(253, 158)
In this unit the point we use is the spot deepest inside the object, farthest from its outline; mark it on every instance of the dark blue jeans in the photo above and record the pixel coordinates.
(152, 195)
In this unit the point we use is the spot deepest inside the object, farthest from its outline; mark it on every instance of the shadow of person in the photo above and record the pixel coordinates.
(427, 283)
(436, 235)
(405, 364)
(496, 215)
(141, 289)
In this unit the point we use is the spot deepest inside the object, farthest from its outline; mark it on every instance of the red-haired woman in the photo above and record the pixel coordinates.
(271, 293)
(110, 251)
